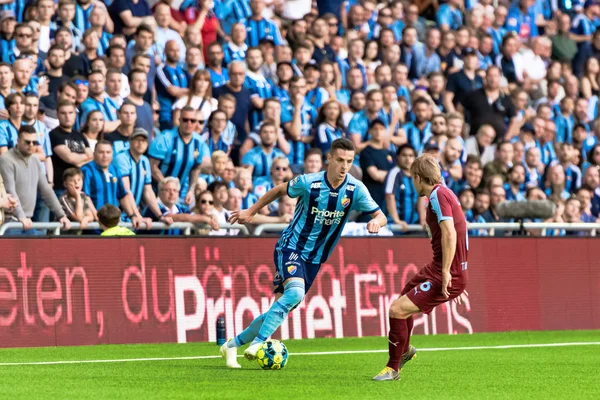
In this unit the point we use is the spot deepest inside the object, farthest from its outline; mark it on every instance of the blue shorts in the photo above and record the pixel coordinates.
(289, 264)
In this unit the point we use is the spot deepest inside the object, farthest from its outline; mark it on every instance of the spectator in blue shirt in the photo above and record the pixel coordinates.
(180, 152)
(259, 159)
(297, 118)
(467, 201)
(419, 130)
(243, 181)
(235, 50)
(359, 124)
(449, 15)
(514, 188)
(219, 75)
(215, 135)
(99, 100)
(104, 185)
(356, 50)
(9, 128)
(412, 52)
(521, 20)
(400, 195)
(329, 125)
(260, 87)
(258, 27)
(171, 83)
(583, 25)
(316, 95)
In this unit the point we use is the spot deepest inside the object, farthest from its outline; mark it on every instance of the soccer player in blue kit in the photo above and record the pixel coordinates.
(325, 199)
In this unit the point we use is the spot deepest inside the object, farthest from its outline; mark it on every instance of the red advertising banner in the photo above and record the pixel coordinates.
(79, 291)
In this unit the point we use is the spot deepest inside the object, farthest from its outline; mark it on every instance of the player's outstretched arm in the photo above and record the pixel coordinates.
(378, 220)
(448, 251)
(245, 216)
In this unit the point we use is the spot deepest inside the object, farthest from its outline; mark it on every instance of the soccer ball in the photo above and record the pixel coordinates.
(272, 355)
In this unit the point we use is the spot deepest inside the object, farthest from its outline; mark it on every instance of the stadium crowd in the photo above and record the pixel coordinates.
(188, 110)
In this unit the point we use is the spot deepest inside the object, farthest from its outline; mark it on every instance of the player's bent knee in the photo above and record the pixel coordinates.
(403, 308)
(292, 295)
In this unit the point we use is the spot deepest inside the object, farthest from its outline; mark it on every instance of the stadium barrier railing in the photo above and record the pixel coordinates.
(190, 229)
(187, 228)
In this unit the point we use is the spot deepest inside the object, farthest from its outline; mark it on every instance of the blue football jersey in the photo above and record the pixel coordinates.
(321, 214)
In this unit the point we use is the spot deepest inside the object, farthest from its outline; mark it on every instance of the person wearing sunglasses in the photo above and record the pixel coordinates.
(24, 178)
(280, 173)
(205, 209)
(180, 152)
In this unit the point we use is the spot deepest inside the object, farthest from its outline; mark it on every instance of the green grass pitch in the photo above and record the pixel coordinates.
(565, 372)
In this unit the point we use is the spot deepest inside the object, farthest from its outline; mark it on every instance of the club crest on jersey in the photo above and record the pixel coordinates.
(345, 202)
(292, 269)
(196, 152)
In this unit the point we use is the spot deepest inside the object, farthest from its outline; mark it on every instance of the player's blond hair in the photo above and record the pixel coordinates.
(426, 167)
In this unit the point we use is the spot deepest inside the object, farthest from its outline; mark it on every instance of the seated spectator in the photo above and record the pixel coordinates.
(313, 161)
(109, 217)
(24, 177)
(566, 154)
(221, 195)
(584, 195)
(103, 183)
(573, 215)
(497, 196)
(168, 198)
(75, 203)
(482, 144)
(400, 195)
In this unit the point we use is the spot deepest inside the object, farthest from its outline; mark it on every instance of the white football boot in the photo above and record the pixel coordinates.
(230, 355)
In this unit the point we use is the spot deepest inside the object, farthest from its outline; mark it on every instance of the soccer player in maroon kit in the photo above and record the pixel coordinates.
(443, 279)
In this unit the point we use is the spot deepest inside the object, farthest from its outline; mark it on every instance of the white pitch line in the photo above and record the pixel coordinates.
(321, 353)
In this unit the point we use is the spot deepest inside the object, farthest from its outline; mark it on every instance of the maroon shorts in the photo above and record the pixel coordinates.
(425, 289)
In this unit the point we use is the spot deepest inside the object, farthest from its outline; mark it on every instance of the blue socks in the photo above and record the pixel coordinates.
(292, 296)
(248, 334)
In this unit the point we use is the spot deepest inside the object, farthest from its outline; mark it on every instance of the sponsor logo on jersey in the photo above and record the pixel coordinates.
(315, 185)
(333, 194)
(350, 188)
(327, 217)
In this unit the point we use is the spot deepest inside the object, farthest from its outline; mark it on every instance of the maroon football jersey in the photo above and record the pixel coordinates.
(444, 205)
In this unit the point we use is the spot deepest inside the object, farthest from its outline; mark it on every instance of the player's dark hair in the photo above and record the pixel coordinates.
(109, 215)
(342, 144)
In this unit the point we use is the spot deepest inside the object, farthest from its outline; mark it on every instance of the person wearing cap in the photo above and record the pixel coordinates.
(463, 82)
(135, 170)
(120, 137)
(376, 160)
(8, 22)
(259, 27)
(103, 183)
(449, 16)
